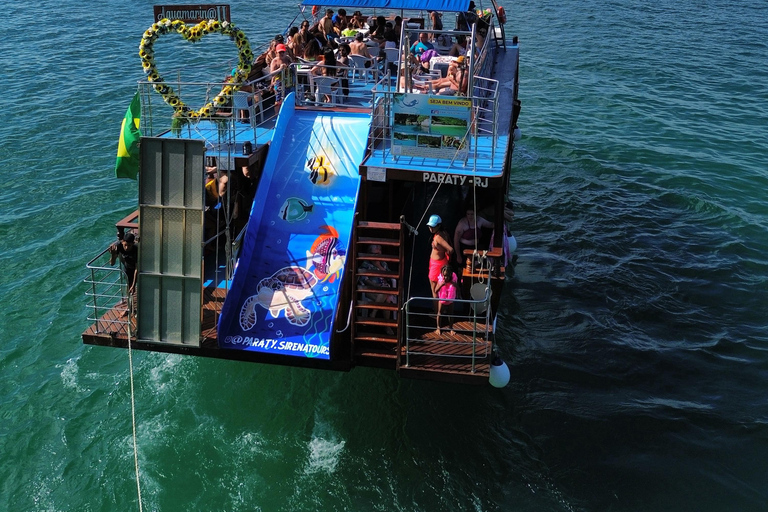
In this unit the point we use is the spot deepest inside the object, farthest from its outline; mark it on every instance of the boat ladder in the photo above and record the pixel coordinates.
(378, 259)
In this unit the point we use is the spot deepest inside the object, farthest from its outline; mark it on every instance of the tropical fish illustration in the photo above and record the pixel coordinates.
(295, 209)
(325, 256)
(281, 292)
(319, 170)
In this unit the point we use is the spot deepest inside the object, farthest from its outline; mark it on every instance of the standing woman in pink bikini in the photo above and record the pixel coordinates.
(441, 250)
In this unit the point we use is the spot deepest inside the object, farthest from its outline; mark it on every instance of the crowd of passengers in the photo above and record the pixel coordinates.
(330, 43)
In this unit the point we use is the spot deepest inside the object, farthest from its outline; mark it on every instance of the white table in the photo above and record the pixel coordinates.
(441, 63)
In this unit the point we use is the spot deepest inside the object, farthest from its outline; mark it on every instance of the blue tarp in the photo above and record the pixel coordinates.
(413, 5)
(285, 291)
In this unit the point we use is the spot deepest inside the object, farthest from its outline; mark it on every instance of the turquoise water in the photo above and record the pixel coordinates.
(635, 327)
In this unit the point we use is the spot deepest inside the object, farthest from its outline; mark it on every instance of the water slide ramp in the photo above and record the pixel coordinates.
(284, 293)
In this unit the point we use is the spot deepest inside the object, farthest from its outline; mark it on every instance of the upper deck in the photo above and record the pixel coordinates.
(406, 140)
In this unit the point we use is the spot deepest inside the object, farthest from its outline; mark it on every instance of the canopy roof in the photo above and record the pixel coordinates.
(414, 5)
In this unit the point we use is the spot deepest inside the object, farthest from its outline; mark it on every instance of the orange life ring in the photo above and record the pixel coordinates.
(502, 15)
(315, 10)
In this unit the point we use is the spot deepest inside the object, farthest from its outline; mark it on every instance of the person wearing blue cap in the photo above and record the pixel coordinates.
(441, 250)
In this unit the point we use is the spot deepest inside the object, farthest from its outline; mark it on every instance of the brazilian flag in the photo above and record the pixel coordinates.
(127, 165)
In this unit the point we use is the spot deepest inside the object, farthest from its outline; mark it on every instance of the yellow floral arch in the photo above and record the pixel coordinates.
(193, 34)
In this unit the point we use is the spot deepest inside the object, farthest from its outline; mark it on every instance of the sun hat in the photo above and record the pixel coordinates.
(280, 48)
(460, 60)
(434, 221)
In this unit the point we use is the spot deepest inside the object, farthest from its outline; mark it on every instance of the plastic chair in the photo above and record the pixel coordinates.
(392, 58)
(423, 80)
(241, 105)
(326, 86)
(359, 68)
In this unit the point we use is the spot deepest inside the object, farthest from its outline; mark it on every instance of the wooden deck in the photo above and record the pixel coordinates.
(112, 328)
(444, 357)
(112, 324)
(112, 331)
(453, 355)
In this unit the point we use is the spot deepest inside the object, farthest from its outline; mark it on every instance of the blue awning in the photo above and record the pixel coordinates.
(414, 5)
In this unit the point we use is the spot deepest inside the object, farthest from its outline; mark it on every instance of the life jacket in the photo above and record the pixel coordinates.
(447, 292)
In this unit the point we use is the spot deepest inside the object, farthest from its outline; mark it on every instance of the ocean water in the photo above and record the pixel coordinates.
(635, 326)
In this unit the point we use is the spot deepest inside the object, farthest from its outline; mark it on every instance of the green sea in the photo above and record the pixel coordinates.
(635, 325)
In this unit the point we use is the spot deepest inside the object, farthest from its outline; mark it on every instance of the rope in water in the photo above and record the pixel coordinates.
(133, 403)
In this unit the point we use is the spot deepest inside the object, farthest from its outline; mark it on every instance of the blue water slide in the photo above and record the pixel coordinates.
(284, 294)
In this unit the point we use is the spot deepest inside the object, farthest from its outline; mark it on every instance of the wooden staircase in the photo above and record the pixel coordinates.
(379, 323)
(377, 298)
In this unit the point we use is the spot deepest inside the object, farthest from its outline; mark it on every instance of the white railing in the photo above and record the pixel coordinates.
(417, 309)
(485, 95)
(342, 86)
(485, 108)
(107, 290)
(250, 108)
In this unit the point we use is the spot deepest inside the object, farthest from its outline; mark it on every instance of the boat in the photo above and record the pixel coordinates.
(314, 254)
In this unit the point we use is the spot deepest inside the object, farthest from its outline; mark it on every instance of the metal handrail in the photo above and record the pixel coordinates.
(302, 80)
(349, 318)
(157, 117)
(473, 303)
(107, 285)
(484, 113)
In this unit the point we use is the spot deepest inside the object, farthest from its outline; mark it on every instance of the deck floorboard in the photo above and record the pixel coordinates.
(447, 356)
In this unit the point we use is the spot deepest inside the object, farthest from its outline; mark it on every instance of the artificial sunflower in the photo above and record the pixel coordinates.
(193, 34)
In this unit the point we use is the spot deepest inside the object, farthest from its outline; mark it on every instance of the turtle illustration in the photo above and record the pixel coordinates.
(283, 291)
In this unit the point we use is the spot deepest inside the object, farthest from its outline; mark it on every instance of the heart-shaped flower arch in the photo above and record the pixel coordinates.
(193, 34)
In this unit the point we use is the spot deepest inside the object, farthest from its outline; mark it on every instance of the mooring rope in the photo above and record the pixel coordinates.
(426, 210)
(133, 403)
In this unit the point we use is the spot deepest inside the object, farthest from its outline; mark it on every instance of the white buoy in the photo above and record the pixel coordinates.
(516, 134)
(511, 244)
(477, 292)
(499, 373)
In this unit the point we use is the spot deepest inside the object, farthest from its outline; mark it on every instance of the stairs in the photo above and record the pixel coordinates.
(378, 256)
(461, 354)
